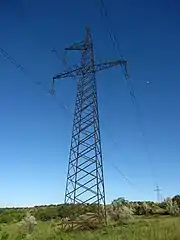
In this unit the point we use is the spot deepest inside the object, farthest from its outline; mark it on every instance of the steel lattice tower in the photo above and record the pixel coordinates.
(85, 180)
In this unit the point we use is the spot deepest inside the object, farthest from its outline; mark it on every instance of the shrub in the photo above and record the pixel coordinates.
(27, 225)
(172, 207)
(121, 212)
(142, 208)
(4, 236)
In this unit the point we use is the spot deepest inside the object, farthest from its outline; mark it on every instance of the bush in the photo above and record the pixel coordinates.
(172, 207)
(142, 208)
(27, 225)
(121, 212)
(4, 236)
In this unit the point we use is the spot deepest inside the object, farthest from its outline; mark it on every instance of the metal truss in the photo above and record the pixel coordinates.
(85, 180)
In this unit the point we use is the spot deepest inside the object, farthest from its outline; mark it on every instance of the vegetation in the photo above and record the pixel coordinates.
(161, 228)
(126, 220)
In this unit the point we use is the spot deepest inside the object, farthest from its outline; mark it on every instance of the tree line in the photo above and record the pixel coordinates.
(118, 208)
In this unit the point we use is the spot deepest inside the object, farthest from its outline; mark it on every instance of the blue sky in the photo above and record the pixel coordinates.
(35, 131)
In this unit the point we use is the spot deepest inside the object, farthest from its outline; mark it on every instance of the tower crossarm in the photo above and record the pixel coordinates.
(79, 70)
(77, 46)
(108, 64)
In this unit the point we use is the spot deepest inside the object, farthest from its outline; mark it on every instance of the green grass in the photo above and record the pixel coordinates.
(161, 228)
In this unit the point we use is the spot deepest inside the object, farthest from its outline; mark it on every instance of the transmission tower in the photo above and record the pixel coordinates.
(158, 190)
(85, 180)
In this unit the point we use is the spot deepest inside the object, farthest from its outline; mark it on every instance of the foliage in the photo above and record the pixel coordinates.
(27, 225)
(141, 228)
(11, 215)
(89, 221)
(119, 202)
(19, 223)
(4, 236)
(142, 208)
(172, 207)
(116, 209)
(177, 200)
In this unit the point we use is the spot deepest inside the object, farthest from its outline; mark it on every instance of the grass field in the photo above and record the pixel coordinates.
(159, 228)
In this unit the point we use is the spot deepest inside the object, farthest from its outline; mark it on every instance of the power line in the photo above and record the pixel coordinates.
(20, 67)
(127, 179)
(120, 172)
(110, 31)
(54, 50)
(116, 46)
(9, 58)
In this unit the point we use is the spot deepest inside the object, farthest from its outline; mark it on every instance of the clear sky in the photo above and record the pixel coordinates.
(35, 131)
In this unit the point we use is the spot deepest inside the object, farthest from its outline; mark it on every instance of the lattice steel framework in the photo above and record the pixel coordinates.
(85, 181)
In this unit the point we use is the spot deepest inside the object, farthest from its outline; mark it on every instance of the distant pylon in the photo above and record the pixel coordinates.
(85, 180)
(158, 190)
